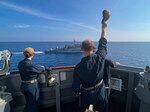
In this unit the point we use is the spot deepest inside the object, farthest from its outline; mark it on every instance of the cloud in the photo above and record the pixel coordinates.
(29, 11)
(42, 15)
(22, 26)
(54, 28)
(85, 26)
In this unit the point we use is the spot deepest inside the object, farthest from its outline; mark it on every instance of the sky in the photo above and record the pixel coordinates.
(68, 20)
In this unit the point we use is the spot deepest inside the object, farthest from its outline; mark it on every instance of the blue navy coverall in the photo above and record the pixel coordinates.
(28, 71)
(106, 78)
(108, 64)
(88, 73)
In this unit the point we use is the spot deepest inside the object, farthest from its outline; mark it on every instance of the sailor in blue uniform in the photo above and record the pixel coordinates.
(106, 78)
(29, 71)
(88, 74)
(142, 90)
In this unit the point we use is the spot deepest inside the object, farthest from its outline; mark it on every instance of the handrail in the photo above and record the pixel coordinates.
(61, 67)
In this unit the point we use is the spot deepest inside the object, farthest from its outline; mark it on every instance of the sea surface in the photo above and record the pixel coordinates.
(127, 53)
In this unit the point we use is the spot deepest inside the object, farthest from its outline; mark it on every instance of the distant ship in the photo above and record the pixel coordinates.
(74, 48)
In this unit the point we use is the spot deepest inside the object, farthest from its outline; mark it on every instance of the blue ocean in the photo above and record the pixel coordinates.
(127, 53)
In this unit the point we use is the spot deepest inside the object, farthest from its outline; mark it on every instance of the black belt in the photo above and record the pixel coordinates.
(93, 87)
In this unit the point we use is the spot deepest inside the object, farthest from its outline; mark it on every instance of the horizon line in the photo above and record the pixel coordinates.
(71, 41)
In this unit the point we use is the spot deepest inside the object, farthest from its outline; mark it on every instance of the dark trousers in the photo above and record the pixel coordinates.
(96, 97)
(31, 93)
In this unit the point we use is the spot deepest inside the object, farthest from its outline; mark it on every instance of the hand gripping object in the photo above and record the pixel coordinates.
(106, 16)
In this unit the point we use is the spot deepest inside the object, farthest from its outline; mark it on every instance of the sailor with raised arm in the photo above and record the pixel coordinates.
(88, 74)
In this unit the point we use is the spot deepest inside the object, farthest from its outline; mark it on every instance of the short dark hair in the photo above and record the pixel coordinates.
(87, 45)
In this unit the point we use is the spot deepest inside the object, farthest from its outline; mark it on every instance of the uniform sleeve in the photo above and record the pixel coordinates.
(110, 63)
(102, 47)
(76, 82)
(106, 72)
(37, 68)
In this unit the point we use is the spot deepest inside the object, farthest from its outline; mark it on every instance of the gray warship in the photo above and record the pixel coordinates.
(73, 48)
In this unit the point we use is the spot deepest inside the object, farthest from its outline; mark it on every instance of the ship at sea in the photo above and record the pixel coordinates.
(73, 48)
(127, 92)
(42, 21)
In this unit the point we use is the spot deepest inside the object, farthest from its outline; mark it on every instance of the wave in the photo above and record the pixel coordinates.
(39, 52)
(36, 52)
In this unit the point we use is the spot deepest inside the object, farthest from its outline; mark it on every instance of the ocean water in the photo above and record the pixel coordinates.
(127, 53)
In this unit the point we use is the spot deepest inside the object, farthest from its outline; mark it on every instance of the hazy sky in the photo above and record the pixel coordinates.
(68, 20)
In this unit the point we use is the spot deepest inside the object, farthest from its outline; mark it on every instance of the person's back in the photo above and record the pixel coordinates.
(28, 70)
(88, 74)
(91, 67)
(29, 86)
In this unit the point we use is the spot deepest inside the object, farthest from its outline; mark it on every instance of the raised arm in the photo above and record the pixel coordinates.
(103, 33)
(102, 42)
(106, 16)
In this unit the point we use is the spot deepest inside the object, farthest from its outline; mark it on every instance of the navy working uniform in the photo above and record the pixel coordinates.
(142, 92)
(108, 64)
(106, 78)
(89, 73)
(28, 71)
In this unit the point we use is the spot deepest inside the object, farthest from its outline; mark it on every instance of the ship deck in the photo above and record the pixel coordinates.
(59, 96)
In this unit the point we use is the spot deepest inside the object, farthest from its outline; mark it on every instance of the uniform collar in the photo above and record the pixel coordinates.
(86, 58)
(27, 59)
